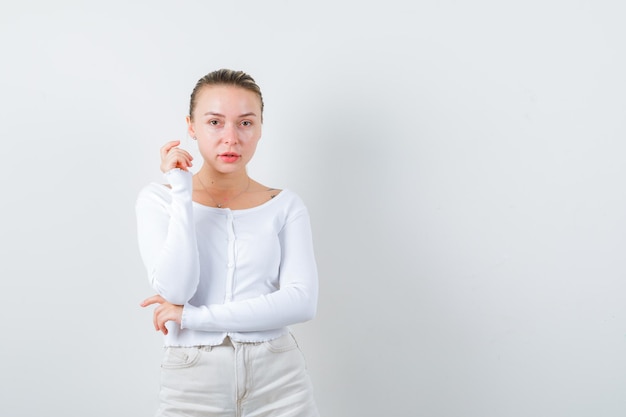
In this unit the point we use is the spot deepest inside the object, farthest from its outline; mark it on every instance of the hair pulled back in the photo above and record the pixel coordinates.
(225, 76)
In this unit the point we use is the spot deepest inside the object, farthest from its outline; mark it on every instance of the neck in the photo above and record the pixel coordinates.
(223, 182)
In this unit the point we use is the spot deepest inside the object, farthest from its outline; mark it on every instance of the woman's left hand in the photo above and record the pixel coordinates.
(165, 312)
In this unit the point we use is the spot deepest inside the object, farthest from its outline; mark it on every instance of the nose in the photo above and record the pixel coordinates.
(230, 134)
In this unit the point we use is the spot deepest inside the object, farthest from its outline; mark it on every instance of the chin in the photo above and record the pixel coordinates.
(231, 169)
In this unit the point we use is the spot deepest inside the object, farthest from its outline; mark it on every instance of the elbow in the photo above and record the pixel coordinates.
(177, 298)
(175, 294)
(309, 313)
(308, 306)
(311, 308)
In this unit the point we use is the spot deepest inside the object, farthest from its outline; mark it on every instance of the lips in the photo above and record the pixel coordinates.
(229, 157)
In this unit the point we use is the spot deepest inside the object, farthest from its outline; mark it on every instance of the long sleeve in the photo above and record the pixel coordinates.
(293, 302)
(167, 237)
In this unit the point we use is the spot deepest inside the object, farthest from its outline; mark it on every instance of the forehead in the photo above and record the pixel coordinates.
(227, 97)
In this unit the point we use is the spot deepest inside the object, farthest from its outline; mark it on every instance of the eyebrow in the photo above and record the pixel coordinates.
(210, 113)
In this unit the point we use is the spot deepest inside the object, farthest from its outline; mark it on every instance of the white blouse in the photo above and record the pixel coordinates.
(244, 273)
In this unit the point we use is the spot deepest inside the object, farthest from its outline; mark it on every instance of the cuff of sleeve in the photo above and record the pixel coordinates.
(179, 180)
(191, 317)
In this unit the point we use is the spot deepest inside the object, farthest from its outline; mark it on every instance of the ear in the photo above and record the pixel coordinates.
(190, 130)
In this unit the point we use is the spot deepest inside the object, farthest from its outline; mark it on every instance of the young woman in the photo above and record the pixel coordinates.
(232, 265)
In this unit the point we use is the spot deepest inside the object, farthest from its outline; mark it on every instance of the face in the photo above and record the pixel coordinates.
(227, 125)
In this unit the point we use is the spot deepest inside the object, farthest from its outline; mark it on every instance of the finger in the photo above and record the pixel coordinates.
(180, 160)
(167, 147)
(176, 158)
(179, 154)
(152, 300)
(155, 319)
(160, 319)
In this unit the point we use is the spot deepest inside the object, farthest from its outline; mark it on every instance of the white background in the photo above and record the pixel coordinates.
(463, 163)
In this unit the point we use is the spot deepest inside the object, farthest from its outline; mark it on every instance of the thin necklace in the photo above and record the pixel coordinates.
(218, 205)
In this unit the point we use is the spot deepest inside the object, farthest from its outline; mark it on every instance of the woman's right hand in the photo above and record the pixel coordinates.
(174, 157)
(165, 312)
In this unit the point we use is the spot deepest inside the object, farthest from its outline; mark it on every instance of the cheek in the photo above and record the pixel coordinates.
(205, 147)
(250, 148)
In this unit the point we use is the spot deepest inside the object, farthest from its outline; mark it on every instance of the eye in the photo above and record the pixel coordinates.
(246, 123)
(214, 122)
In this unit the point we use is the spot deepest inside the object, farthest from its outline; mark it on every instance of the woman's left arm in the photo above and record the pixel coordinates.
(294, 302)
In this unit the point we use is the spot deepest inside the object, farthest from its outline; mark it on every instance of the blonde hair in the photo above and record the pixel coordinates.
(225, 77)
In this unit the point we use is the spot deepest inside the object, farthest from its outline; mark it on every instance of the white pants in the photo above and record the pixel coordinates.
(267, 379)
